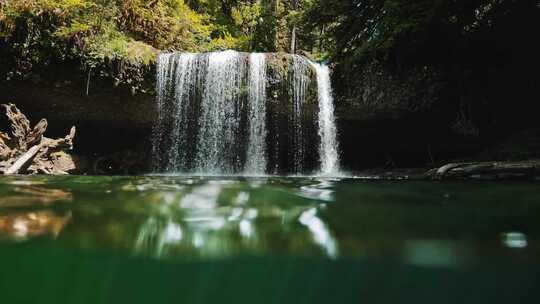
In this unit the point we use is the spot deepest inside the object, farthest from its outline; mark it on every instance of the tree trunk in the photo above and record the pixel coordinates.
(293, 40)
(488, 170)
(276, 42)
(293, 32)
(23, 161)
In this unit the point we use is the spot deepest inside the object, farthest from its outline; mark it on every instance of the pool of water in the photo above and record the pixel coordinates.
(151, 239)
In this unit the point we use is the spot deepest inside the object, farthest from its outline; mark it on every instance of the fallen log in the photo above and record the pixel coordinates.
(496, 170)
(24, 160)
(27, 151)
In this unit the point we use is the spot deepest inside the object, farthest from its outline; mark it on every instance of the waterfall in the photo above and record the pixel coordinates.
(220, 114)
(163, 81)
(299, 86)
(185, 80)
(256, 155)
(230, 112)
(328, 148)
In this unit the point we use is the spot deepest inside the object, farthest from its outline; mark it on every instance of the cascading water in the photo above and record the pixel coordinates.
(299, 87)
(184, 78)
(328, 149)
(163, 80)
(220, 114)
(230, 112)
(256, 154)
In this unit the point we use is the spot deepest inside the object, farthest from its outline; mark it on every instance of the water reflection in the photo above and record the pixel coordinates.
(320, 231)
(22, 213)
(420, 224)
(23, 226)
(30, 195)
(320, 190)
(436, 253)
(155, 236)
(223, 218)
(515, 240)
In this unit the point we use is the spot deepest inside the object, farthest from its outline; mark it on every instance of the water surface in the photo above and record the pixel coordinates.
(145, 239)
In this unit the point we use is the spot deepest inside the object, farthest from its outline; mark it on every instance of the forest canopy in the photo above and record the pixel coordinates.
(98, 32)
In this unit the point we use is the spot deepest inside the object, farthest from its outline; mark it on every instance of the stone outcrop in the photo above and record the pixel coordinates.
(109, 117)
(387, 118)
(422, 115)
(114, 124)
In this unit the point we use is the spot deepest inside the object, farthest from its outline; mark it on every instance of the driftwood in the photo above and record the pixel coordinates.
(28, 151)
(24, 160)
(488, 170)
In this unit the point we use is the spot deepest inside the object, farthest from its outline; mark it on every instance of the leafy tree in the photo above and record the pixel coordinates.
(397, 29)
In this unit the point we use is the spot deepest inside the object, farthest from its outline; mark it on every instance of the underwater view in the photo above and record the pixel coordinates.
(86, 239)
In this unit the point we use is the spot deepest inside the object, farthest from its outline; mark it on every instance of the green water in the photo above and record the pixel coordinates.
(266, 240)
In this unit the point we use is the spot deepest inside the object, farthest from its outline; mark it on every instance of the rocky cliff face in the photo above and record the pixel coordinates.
(419, 116)
(115, 123)
(392, 118)
(412, 117)
(109, 119)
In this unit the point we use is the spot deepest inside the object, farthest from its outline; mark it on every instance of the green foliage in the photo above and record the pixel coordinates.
(36, 33)
(246, 16)
(481, 50)
(396, 29)
(164, 24)
(102, 34)
(98, 33)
